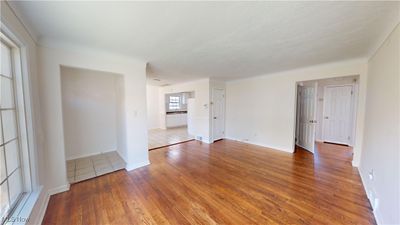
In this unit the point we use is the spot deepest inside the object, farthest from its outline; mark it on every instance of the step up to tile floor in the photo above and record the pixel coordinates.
(164, 137)
(88, 167)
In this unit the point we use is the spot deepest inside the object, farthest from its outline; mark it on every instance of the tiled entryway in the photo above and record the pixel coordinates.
(163, 137)
(93, 166)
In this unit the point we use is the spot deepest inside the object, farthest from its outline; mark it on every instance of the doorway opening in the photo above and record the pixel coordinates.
(170, 117)
(93, 122)
(326, 115)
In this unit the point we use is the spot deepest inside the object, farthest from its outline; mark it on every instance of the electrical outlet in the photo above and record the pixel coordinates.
(369, 194)
(371, 174)
(376, 204)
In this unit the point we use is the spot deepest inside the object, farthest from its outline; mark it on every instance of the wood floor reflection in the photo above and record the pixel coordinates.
(227, 182)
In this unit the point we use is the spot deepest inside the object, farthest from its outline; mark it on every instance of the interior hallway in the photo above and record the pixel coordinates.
(226, 182)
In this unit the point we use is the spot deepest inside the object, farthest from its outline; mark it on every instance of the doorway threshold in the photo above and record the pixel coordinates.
(164, 146)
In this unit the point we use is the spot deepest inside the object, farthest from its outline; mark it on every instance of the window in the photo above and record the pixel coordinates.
(174, 103)
(11, 170)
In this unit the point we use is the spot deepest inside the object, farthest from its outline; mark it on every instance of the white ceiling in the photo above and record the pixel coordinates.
(226, 40)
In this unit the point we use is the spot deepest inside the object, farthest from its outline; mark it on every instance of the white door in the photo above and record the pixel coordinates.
(307, 117)
(218, 114)
(337, 114)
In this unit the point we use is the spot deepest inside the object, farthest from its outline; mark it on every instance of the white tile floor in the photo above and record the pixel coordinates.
(161, 137)
(93, 166)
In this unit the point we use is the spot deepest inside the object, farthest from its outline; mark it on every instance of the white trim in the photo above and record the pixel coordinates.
(42, 210)
(261, 145)
(43, 206)
(384, 36)
(90, 154)
(20, 17)
(376, 212)
(200, 138)
(22, 213)
(59, 189)
(132, 166)
(25, 121)
(206, 140)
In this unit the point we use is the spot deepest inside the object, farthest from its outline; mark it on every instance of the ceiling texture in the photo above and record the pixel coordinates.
(183, 41)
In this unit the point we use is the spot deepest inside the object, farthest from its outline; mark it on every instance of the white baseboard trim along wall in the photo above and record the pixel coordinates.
(132, 166)
(66, 187)
(43, 206)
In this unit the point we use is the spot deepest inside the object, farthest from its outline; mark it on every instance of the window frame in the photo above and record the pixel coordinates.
(181, 103)
(25, 129)
(177, 103)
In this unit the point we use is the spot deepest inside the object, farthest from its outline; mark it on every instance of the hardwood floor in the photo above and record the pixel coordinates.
(226, 182)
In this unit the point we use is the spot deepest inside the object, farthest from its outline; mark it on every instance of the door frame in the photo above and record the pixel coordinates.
(352, 113)
(360, 83)
(212, 113)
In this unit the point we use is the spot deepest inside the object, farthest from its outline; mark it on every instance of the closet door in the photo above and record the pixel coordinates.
(337, 114)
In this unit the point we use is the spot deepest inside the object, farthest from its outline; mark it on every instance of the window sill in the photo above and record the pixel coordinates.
(22, 213)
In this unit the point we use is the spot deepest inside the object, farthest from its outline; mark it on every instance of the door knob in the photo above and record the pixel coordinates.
(326, 117)
(215, 117)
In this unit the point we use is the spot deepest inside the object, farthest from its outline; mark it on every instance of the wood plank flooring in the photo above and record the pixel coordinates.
(226, 182)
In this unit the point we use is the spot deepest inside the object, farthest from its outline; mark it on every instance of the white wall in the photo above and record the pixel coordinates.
(261, 110)
(381, 136)
(153, 107)
(200, 117)
(89, 100)
(135, 124)
(121, 117)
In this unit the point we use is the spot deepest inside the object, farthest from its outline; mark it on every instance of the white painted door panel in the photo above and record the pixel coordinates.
(307, 117)
(218, 113)
(337, 114)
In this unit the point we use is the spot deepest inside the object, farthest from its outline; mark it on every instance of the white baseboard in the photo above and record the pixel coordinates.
(42, 210)
(133, 166)
(376, 212)
(90, 154)
(202, 139)
(207, 141)
(56, 190)
(122, 157)
(378, 216)
(47, 194)
(260, 144)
